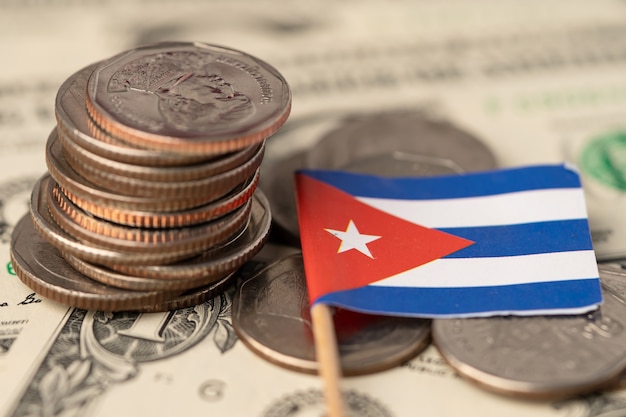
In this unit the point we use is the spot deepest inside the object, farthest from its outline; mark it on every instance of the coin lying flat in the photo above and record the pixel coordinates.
(426, 146)
(216, 260)
(65, 242)
(108, 277)
(188, 97)
(156, 219)
(617, 266)
(73, 122)
(81, 158)
(541, 356)
(40, 266)
(271, 316)
(190, 298)
(205, 185)
(389, 144)
(78, 186)
(108, 235)
(134, 193)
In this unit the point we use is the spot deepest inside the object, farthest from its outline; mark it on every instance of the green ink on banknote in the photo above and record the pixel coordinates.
(10, 269)
(604, 159)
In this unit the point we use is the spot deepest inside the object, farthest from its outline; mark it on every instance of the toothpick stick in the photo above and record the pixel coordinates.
(328, 358)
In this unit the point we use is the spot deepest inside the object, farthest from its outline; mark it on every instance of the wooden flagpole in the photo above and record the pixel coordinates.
(327, 354)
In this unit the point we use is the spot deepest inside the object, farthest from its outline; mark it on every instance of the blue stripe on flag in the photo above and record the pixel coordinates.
(442, 302)
(453, 186)
(523, 239)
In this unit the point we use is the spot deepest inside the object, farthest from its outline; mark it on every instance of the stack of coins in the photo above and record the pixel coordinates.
(150, 202)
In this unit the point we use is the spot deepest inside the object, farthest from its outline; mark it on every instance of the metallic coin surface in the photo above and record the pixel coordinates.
(225, 258)
(80, 157)
(73, 121)
(279, 185)
(64, 242)
(190, 298)
(211, 185)
(388, 144)
(188, 97)
(418, 145)
(106, 276)
(155, 219)
(73, 173)
(617, 266)
(108, 235)
(271, 316)
(541, 356)
(84, 190)
(42, 268)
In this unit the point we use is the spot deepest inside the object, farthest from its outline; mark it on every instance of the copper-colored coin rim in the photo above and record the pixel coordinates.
(176, 173)
(211, 145)
(67, 178)
(119, 300)
(228, 257)
(212, 185)
(311, 367)
(64, 242)
(155, 219)
(138, 235)
(192, 297)
(170, 144)
(70, 219)
(131, 283)
(69, 119)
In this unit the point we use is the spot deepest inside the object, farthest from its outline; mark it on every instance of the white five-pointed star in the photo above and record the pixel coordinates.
(352, 239)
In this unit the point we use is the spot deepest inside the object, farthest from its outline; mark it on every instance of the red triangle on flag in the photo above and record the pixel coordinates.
(395, 245)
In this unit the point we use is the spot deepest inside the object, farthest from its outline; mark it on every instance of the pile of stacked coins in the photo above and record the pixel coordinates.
(150, 202)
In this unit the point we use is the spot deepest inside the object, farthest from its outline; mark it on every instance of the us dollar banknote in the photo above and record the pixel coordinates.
(536, 83)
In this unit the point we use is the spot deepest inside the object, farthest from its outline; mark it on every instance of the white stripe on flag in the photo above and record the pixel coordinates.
(511, 208)
(506, 270)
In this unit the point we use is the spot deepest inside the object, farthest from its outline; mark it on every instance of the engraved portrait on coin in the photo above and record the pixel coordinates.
(183, 89)
(188, 98)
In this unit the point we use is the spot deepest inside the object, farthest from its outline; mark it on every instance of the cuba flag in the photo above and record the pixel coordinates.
(510, 241)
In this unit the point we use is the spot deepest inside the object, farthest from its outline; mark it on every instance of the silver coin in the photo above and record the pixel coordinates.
(120, 188)
(617, 266)
(78, 186)
(271, 316)
(420, 145)
(72, 121)
(190, 97)
(541, 356)
(388, 144)
(42, 268)
(190, 298)
(226, 257)
(193, 240)
(188, 172)
(151, 219)
(278, 184)
(65, 242)
(108, 277)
